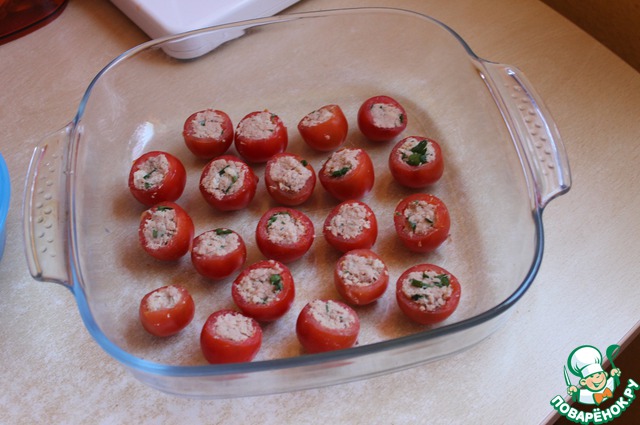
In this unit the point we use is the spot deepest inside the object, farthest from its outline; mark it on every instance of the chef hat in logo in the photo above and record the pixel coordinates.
(584, 361)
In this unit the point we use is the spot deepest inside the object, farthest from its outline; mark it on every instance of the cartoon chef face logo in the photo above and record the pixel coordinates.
(595, 385)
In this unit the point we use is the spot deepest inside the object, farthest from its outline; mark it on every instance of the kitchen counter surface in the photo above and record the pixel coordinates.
(585, 292)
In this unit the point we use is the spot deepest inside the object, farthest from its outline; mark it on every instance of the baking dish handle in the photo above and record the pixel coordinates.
(533, 130)
(44, 210)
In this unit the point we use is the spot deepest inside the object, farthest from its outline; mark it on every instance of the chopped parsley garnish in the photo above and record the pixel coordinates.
(418, 155)
(164, 208)
(274, 217)
(203, 122)
(276, 281)
(154, 233)
(341, 172)
(304, 162)
(148, 175)
(221, 232)
(443, 280)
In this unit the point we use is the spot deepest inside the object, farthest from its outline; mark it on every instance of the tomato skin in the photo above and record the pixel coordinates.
(288, 197)
(171, 187)
(214, 266)
(284, 252)
(365, 240)
(317, 338)
(232, 201)
(360, 294)
(416, 176)
(352, 185)
(217, 349)
(372, 130)
(438, 233)
(180, 242)
(412, 309)
(260, 149)
(207, 146)
(277, 307)
(168, 320)
(327, 135)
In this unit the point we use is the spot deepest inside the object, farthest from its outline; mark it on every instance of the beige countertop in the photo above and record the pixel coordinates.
(53, 371)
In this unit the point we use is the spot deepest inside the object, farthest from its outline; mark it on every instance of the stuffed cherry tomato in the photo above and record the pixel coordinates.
(284, 234)
(157, 177)
(361, 277)
(230, 337)
(347, 174)
(289, 179)
(326, 325)
(264, 290)
(166, 311)
(351, 225)
(416, 162)
(381, 118)
(427, 294)
(324, 129)
(166, 231)
(208, 133)
(260, 135)
(422, 222)
(228, 184)
(218, 253)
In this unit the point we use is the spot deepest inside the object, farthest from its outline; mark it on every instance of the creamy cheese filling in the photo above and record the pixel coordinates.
(429, 289)
(350, 221)
(163, 299)
(331, 315)
(207, 125)
(341, 162)
(416, 151)
(261, 285)
(316, 117)
(386, 116)
(289, 174)
(258, 126)
(420, 216)
(224, 178)
(234, 327)
(360, 270)
(283, 228)
(216, 242)
(151, 173)
(159, 229)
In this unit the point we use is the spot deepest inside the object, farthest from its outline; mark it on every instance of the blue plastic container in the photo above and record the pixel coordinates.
(5, 195)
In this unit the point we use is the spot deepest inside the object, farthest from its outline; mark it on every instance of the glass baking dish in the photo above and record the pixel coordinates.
(504, 163)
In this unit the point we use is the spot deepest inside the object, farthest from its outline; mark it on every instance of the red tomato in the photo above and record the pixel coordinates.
(381, 118)
(347, 174)
(260, 135)
(422, 222)
(324, 129)
(230, 337)
(208, 133)
(166, 311)
(166, 231)
(289, 179)
(416, 162)
(157, 177)
(264, 290)
(427, 294)
(326, 325)
(218, 253)
(227, 183)
(361, 277)
(351, 225)
(284, 234)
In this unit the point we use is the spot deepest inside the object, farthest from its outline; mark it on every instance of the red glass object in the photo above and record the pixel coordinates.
(20, 17)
